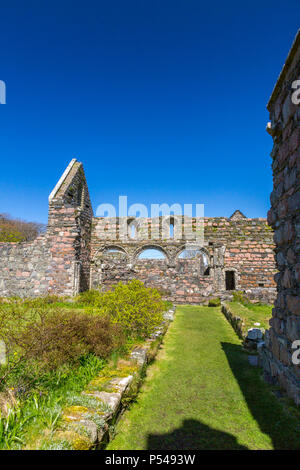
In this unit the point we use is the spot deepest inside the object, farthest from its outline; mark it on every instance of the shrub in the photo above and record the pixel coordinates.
(51, 338)
(136, 308)
(42, 301)
(168, 304)
(238, 296)
(89, 297)
(214, 302)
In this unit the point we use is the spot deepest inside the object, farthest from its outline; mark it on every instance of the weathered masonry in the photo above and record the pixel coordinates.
(284, 217)
(79, 251)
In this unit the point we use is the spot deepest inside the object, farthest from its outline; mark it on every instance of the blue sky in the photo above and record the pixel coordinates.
(163, 101)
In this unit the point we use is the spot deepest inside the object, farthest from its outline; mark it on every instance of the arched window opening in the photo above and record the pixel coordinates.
(132, 229)
(190, 253)
(152, 253)
(111, 253)
(195, 253)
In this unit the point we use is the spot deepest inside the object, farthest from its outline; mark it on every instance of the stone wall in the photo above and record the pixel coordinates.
(284, 217)
(238, 244)
(24, 268)
(69, 232)
(75, 253)
(57, 262)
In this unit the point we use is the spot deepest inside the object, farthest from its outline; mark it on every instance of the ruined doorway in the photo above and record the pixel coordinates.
(230, 280)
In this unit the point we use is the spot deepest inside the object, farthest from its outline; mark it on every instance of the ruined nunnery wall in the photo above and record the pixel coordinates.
(57, 262)
(79, 252)
(237, 254)
(284, 217)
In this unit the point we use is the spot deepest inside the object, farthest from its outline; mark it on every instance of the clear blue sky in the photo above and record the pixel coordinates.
(162, 100)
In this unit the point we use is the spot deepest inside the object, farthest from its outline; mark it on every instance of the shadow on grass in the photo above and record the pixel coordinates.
(273, 420)
(193, 435)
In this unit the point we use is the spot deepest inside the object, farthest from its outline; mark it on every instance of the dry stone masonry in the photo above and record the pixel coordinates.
(284, 217)
(80, 251)
(238, 254)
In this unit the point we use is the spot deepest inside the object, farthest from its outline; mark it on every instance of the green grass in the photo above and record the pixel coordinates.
(202, 393)
(40, 413)
(252, 313)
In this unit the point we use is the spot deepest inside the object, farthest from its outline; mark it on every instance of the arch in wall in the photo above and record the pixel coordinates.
(132, 229)
(107, 257)
(172, 227)
(107, 249)
(195, 251)
(154, 247)
(113, 249)
(201, 253)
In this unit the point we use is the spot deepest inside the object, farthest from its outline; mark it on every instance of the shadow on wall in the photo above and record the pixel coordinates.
(265, 408)
(193, 435)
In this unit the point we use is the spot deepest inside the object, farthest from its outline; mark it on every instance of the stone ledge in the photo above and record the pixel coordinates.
(236, 322)
(89, 427)
(252, 337)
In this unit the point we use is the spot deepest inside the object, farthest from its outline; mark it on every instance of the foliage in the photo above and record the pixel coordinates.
(136, 308)
(11, 426)
(44, 339)
(168, 305)
(90, 297)
(252, 313)
(214, 302)
(39, 412)
(16, 230)
(43, 301)
(9, 234)
(238, 296)
(55, 347)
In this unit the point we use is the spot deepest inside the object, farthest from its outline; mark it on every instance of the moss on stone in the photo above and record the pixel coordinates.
(73, 413)
(75, 440)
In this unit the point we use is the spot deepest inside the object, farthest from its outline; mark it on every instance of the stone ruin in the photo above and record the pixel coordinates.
(284, 217)
(79, 252)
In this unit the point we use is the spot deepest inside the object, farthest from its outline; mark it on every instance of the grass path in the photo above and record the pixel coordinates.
(201, 393)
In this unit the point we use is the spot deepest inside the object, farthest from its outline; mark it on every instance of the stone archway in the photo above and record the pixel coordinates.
(152, 246)
(107, 259)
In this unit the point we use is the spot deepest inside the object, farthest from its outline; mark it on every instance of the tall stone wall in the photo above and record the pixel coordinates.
(243, 246)
(284, 217)
(69, 232)
(59, 261)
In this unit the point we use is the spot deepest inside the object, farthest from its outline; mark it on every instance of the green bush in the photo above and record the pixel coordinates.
(168, 304)
(89, 297)
(214, 302)
(136, 308)
(238, 296)
(49, 338)
(42, 301)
